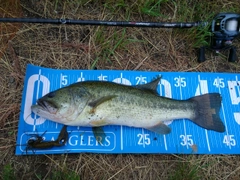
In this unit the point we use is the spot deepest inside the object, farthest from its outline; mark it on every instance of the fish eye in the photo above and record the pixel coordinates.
(51, 94)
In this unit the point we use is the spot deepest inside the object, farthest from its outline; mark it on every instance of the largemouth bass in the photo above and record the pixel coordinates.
(100, 103)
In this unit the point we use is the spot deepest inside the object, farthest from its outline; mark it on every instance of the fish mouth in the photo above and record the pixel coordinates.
(42, 104)
(47, 106)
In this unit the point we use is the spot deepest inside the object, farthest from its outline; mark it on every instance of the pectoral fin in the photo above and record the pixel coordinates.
(99, 134)
(99, 101)
(160, 128)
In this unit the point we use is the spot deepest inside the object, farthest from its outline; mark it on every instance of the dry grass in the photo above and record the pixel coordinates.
(87, 47)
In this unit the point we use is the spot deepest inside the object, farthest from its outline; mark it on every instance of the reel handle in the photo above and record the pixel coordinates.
(232, 57)
(201, 55)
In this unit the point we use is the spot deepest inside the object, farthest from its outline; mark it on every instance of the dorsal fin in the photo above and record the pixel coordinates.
(151, 86)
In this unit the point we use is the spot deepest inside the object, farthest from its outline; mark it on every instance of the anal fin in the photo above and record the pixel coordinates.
(160, 128)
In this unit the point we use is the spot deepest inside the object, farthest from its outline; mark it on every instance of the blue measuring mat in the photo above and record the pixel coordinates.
(185, 137)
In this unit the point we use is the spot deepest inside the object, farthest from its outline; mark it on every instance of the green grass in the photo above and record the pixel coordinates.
(182, 11)
(8, 172)
(186, 171)
(199, 12)
(108, 45)
(152, 7)
(63, 175)
(60, 175)
(191, 169)
(116, 6)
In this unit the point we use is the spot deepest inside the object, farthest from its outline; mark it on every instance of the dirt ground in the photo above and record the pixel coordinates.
(89, 47)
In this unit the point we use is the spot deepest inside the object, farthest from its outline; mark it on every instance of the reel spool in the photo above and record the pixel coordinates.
(225, 27)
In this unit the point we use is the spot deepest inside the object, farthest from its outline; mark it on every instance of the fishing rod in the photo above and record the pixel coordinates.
(105, 23)
(224, 27)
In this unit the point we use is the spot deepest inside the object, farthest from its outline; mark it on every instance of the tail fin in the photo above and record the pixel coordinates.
(207, 112)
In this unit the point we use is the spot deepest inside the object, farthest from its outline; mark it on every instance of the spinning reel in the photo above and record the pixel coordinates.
(225, 27)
